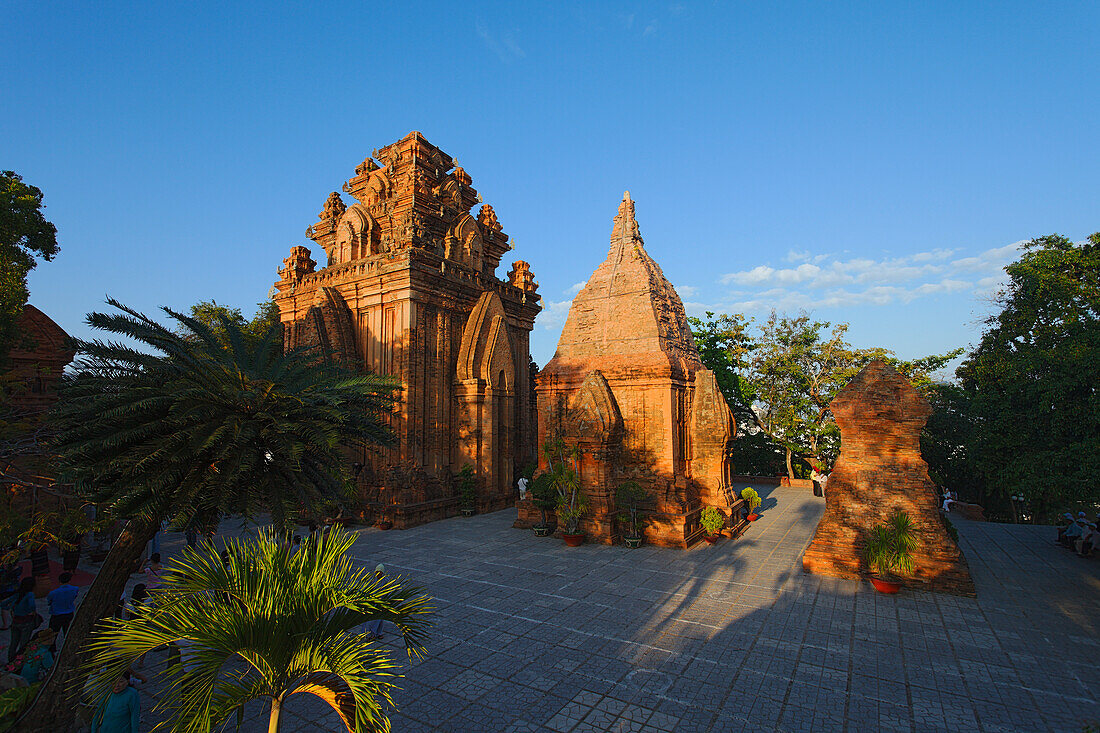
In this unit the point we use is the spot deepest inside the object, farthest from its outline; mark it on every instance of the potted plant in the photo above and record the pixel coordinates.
(467, 490)
(545, 497)
(711, 520)
(572, 504)
(627, 498)
(753, 500)
(888, 550)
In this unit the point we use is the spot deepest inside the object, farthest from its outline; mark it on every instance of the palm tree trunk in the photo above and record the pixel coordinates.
(55, 705)
(273, 721)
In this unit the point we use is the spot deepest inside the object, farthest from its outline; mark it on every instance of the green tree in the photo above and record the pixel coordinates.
(272, 623)
(212, 315)
(779, 379)
(25, 235)
(200, 427)
(1031, 382)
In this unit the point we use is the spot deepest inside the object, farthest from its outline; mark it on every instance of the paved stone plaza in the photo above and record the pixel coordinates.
(532, 635)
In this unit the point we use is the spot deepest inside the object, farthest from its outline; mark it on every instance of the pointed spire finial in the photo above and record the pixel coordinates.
(625, 228)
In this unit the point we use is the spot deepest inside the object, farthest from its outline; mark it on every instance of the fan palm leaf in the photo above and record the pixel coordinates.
(269, 624)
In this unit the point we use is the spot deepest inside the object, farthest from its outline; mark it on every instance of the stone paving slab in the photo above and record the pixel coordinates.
(533, 636)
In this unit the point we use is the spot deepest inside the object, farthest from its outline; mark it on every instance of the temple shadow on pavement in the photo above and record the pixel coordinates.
(532, 635)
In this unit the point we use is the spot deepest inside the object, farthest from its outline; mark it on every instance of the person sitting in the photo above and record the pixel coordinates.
(1064, 522)
(153, 572)
(948, 500)
(37, 659)
(1089, 539)
(1075, 531)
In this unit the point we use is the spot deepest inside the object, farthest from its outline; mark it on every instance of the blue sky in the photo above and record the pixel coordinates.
(873, 163)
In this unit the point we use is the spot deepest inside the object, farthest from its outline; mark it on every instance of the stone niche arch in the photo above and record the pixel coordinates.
(464, 244)
(357, 236)
(485, 379)
(329, 326)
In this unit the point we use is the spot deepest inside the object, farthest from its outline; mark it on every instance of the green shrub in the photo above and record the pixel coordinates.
(888, 549)
(711, 520)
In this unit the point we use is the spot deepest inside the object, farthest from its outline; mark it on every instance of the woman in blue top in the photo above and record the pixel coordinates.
(121, 711)
(26, 617)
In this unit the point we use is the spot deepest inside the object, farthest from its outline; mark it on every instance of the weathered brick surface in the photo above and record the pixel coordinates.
(35, 367)
(880, 469)
(37, 363)
(409, 290)
(627, 387)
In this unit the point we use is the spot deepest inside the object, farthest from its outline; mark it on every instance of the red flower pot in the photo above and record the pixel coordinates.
(885, 586)
(712, 538)
(573, 540)
(753, 517)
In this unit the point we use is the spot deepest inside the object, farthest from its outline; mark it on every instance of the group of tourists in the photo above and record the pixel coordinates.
(1079, 534)
(30, 647)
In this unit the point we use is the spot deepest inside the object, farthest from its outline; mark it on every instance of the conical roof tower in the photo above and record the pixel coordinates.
(628, 308)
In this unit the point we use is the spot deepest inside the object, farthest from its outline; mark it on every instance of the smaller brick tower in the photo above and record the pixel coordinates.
(880, 469)
(627, 387)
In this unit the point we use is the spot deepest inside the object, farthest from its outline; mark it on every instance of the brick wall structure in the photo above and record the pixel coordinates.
(409, 290)
(880, 469)
(627, 387)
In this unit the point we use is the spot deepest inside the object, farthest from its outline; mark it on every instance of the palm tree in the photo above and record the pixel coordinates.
(197, 424)
(272, 623)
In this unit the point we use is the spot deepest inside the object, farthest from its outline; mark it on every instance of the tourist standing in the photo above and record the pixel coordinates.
(62, 602)
(26, 618)
(9, 584)
(121, 711)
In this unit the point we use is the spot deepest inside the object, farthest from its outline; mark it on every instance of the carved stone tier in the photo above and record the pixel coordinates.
(626, 386)
(880, 470)
(409, 290)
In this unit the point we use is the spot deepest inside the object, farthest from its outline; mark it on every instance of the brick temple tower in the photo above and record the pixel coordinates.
(627, 387)
(410, 291)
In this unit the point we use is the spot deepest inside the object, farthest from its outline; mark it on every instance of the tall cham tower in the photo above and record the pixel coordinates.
(627, 387)
(409, 290)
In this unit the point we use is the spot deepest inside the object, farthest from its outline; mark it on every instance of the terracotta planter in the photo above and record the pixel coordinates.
(385, 525)
(752, 517)
(468, 512)
(712, 538)
(573, 540)
(633, 542)
(542, 531)
(885, 586)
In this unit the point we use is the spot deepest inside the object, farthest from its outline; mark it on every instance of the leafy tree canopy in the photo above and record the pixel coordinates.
(214, 317)
(1031, 382)
(779, 378)
(24, 236)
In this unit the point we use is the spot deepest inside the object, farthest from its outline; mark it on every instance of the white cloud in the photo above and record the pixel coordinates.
(991, 260)
(575, 288)
(554, 313)
(822, 281)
